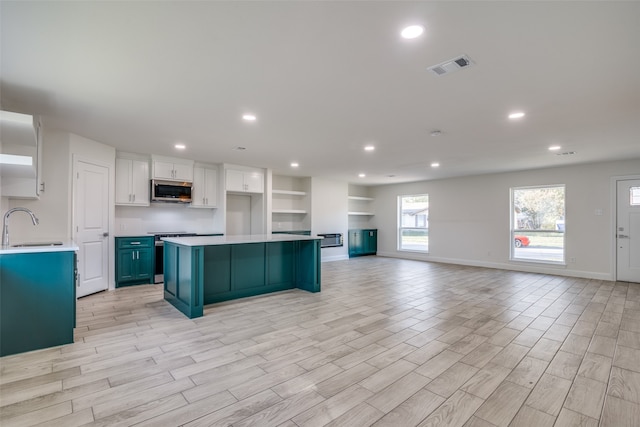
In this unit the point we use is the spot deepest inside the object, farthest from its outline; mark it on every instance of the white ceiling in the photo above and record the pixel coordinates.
(327, 78)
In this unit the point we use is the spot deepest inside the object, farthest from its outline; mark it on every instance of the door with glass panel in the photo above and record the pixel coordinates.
(628, 231)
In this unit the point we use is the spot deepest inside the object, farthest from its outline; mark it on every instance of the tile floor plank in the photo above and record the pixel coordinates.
(388, 342)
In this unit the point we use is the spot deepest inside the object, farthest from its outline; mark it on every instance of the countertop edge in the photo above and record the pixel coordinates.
(67, 245)
(236, 240)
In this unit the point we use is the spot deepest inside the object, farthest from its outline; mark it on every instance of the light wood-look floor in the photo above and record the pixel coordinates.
(387, 343)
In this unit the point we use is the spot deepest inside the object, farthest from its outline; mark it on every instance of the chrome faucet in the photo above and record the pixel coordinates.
(5, 224)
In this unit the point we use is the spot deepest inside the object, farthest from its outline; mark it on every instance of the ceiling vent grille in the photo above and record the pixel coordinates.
(451, 65)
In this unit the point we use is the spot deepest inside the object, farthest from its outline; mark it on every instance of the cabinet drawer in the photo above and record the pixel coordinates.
(134, 242)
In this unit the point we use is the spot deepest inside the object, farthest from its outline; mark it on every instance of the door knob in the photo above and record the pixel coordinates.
(105, 234)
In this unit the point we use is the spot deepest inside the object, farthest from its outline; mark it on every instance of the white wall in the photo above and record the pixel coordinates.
(132, 220)
(469, 218)
(329, 214)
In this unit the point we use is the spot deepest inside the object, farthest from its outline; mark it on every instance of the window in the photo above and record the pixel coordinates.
(634, 196)
(538, 224)
(413, 221)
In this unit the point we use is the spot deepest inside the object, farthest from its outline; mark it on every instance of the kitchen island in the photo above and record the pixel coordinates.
(37, 296)
(204, 270)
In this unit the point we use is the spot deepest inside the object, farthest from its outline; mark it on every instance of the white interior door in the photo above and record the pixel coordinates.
(628, 231)
(91, 217)
(238, 215)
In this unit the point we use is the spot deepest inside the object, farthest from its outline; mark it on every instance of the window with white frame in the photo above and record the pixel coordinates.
(538, 224)
(413, 223)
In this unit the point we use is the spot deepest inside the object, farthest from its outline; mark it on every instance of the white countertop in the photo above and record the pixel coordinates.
(67, 245)
(234, 240)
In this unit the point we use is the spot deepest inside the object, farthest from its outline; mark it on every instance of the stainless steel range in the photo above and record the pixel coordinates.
(158, 235)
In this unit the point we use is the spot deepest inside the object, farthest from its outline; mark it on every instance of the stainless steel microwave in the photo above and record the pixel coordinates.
(171, 191)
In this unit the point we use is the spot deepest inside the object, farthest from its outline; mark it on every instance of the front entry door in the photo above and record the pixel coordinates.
(628, 230)
(91, 214)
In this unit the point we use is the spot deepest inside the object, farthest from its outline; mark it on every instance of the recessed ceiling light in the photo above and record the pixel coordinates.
(436, 132)
(516, 115)
(361, 175)
(435, 164)
(180, 146)
(369, 148)
(249, 117)
(554, 148)
(412, 31)
(294, 164)
(238, 148)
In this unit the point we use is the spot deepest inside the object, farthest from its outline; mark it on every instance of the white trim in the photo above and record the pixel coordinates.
(613, 261)
(526, 267)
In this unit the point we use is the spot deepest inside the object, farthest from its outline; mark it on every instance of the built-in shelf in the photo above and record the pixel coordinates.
(361, 213)
(368, 199)
(289, 211)
(289, 192)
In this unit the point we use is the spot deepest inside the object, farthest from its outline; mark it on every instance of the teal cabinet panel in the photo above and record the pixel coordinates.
(248, 265)
(125, 262)
(363, 242)
(37, 300)
(370, 242)
(200, 275)
(217, 265)
(134, 260)
(183, 284)
(308, 265)
(170, 263)
(281, 263)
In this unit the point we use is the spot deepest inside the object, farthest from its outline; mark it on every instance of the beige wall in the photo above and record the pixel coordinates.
(329, 213)
(469, 217)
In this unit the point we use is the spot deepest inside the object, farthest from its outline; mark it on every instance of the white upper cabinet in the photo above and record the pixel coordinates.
(244, 181)
(205, 187)
(132, 182)
(172, 169)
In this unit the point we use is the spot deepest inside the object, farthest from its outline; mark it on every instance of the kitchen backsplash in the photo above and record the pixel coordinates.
(166, 217)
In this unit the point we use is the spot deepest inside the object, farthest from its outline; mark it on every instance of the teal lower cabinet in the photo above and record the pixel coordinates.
(134, 260)
(195, 276)
(37, 300)
(363, 242)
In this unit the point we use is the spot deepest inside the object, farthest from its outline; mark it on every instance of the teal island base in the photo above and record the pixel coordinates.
(205, 270)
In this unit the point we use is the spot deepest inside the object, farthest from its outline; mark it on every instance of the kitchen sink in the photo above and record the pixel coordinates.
(31, 245)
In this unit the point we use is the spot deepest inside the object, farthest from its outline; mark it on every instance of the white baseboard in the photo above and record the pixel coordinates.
(559, 270)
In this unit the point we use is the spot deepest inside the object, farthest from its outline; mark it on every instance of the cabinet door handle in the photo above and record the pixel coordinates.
(133, 255)
(135, 243)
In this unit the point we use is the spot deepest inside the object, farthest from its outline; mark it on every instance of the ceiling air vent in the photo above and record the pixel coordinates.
(451, 65)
